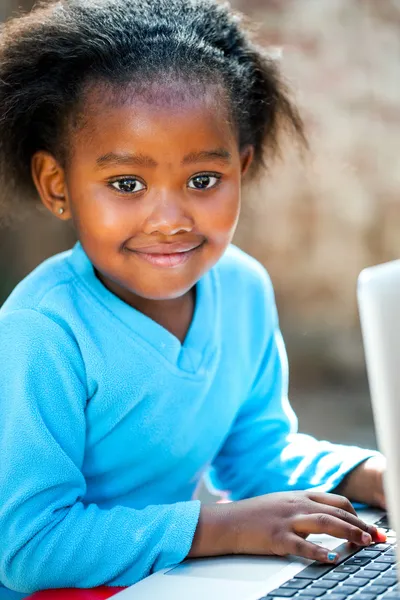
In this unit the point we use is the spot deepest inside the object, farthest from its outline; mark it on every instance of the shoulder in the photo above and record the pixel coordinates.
(30, 340)
(31, 315)
(53, 276)
(237, 268)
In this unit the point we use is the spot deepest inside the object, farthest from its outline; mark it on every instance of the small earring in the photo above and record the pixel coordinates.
(61, 210)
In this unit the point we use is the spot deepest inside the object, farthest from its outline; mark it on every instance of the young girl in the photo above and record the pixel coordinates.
(150, 354)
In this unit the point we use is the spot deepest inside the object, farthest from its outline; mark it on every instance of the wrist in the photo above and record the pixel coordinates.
(364, 482)
(215, 532)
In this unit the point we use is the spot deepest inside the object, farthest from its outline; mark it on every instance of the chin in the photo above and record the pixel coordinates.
(164, 288)
(159, 295)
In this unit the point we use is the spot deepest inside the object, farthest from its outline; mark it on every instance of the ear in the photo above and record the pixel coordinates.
(49, 180)
(246, 158)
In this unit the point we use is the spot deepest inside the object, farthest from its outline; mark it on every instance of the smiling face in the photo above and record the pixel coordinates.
(153, 192)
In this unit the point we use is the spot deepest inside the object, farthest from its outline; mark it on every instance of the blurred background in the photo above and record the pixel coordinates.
(316, 223)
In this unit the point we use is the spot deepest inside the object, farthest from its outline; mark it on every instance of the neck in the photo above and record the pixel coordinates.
(174, 315)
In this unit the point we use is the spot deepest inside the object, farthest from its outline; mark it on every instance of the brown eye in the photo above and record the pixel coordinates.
(128, 185)
(204, 182)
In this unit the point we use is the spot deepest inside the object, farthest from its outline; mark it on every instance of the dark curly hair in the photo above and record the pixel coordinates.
(50, 56)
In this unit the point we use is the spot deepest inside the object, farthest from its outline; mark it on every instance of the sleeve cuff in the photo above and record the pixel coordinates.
(180, 539)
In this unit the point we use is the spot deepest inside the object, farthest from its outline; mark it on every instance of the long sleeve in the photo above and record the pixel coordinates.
(49, 537)
(264, 452)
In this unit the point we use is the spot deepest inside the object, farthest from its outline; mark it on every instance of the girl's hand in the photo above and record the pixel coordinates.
(365, 482)
(278, 524)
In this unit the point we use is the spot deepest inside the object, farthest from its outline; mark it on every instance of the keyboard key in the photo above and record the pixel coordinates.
(317, 570)
(296, 584)
(347, 569)
(381, 547)
(391, 596)
(376, 566)
(370, 553)
(384, 579)
(364, 595)
(314, 571)
(282, 593)
(389, 579)
(357, 581)
(325, 584)
(334, 596)
(367, 574)
(335, 576)
(358, 560)
(275, 598)
(387, 558)
(377, 589)
(314, 591)
(347, 589)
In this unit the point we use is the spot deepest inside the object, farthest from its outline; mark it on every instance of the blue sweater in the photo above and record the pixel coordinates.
(108, 423)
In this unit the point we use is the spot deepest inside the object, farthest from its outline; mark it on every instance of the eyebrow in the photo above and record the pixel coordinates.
(141, 160)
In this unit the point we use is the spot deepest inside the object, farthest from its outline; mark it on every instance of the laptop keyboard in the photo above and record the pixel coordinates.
(367, 573)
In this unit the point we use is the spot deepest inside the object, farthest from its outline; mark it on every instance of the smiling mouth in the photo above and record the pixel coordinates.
(167, 255)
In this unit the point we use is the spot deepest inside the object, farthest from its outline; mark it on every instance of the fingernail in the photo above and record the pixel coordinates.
(366, 538)
(381, 535)
(332, 556)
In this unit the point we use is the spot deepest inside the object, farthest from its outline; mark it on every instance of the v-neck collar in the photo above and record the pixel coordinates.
(194, 353)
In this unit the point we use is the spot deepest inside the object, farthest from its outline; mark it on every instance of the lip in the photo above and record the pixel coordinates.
(167, 255)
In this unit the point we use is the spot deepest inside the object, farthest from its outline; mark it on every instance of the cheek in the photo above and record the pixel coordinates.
(96, 210)
(221, 216)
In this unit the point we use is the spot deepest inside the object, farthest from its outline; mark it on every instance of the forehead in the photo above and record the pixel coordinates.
(162, 119)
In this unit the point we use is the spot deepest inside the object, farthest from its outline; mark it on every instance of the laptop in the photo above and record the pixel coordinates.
(361, 573)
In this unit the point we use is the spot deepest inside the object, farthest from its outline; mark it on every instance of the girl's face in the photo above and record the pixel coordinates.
(153, 192)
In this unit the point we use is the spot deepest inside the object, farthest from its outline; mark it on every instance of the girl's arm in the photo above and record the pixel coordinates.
(264, 452)
(49, 537)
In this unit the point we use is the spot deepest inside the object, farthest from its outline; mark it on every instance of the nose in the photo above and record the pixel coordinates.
(168, 218)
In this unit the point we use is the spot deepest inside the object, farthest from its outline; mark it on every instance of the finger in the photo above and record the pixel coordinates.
(296, 545)
(326, 523)
(342, 513)
(333, 500)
